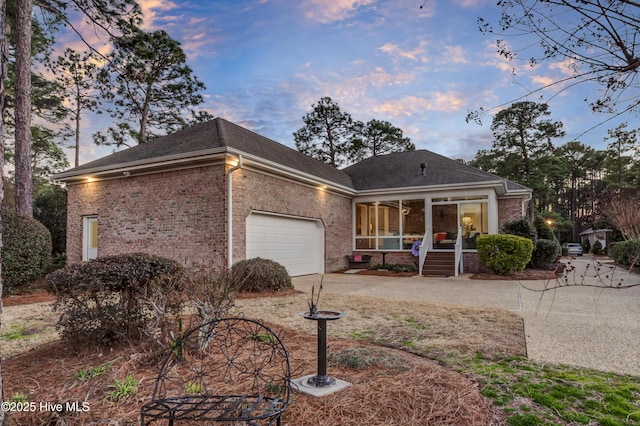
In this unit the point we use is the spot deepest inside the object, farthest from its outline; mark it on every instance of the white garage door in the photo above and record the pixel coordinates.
(295, 243)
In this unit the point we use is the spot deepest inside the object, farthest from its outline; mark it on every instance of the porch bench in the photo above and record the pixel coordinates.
(359, 261)
(226, 370)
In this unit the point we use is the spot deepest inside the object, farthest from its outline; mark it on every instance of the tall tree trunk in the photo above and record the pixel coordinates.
(4, 57)
(24, 176)
(78, 111)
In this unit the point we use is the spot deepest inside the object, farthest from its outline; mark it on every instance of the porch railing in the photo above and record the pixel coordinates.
(459, 262)
(423, 249)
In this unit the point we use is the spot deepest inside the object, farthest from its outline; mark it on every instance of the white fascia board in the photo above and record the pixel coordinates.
(431, 188)
(169, 161)
(174, 162)
(295, 174)
(516, 193)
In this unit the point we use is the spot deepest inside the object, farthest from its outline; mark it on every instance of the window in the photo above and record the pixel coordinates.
(389, 225)
(365, 225)
(89, 237)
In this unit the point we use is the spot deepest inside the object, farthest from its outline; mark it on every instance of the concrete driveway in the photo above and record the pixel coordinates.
(580, 325)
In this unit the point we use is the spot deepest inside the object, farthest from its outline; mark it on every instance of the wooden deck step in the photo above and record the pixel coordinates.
(440, 264)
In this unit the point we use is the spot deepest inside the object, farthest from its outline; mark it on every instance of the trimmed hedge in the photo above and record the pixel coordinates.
(521, 227)
(597, 248)
(626, 252)
(114, 299)
(544, 231)
(26, 250)
(544, 254)
(261, 275)
(504, 253)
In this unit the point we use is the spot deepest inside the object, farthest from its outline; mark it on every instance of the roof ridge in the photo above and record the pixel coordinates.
(221, 133)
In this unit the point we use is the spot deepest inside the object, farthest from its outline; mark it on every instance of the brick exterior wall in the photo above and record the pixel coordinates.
(255, 191)
(177, 214)
(508, 209)
(182, 214)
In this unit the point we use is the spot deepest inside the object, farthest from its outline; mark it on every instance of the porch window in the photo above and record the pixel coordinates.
(389, 225)
(413, 220)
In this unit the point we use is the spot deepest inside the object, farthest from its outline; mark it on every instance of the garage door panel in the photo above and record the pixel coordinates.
(296, 243)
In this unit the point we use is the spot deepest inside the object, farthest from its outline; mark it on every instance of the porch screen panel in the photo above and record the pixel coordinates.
(412, 222)
(474, 222)
(445, 225)
(365, 226)
(388, 225)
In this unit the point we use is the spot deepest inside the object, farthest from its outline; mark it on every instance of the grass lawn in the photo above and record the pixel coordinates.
(409, 363)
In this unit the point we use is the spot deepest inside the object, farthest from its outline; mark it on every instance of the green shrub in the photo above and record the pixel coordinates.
(596, 248)
(401, 267)
(543, 230)
(113, 299)
(50, 209)
(261, 275)
(503, 253)
(521, 227)
(544, 254)
(395, 267)
(26, 250)
(627, 252)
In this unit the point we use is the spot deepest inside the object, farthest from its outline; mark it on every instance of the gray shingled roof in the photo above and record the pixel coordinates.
(387, 171)
(217, 133)
(403, 169)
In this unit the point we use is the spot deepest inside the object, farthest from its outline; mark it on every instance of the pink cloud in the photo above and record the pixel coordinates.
(327, 11)
(409, 105)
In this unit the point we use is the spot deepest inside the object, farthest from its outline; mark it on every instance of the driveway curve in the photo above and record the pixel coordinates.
(579, 325)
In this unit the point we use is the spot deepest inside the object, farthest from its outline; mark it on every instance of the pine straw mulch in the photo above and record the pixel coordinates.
(420, 392)
(27, 299)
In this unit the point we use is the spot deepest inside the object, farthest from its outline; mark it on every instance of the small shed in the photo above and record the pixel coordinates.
(593, 235)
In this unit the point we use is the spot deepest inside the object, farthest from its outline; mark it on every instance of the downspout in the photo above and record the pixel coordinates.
(230, 212)
(524, 205)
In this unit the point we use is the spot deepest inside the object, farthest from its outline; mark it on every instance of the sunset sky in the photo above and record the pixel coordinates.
(265, 62)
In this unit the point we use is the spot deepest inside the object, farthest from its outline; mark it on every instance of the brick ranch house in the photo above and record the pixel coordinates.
(217, 193)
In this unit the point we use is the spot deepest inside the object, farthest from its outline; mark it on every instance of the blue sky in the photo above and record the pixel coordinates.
(265, 62)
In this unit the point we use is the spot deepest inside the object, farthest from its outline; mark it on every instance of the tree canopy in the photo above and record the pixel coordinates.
(522, 134)
(77, 75)
(150, 89)
(328, 134)
(572, 182)
(381, 137)
(333, 137)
